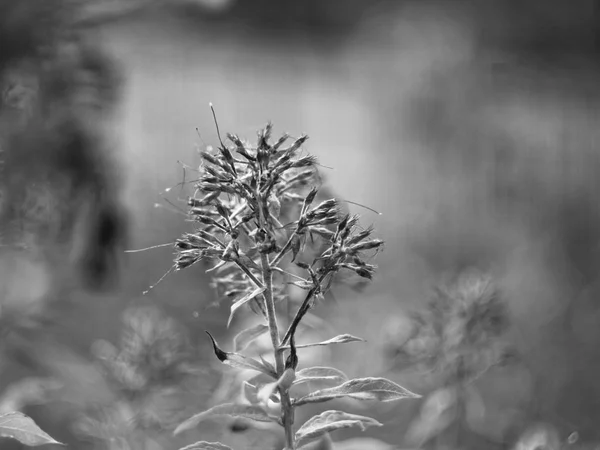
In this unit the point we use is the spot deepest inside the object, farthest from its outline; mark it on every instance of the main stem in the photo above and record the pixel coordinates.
(287, 411)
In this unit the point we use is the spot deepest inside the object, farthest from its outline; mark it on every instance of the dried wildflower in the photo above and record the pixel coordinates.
(255, 209)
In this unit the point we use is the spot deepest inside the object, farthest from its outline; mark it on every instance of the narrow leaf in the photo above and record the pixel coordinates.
(250, 393)
(217, 266)
(325, 374)
(253, 387)
(369, 388)
(341, 339)
(240, 361)
(252, 412)
(329, 421)
(245, 337)
(203, 445)
(265, 392)
(242, 301)
(269, 366)
(18, 426)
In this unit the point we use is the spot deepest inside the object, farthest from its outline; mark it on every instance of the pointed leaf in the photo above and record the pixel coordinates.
(253, 387)
(240, 361)
(341, 339)
(203, 445)
(296, 242)
(245, 337)
(217, 267)
(242, 301)
(265, 392)
(18, 426)
(252, 412)
(323, 374)
(329, 421)
(269, 366)
(250, 393)
(361, 389)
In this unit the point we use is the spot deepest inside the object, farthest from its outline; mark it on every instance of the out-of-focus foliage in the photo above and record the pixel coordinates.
(456, 340)
(497, 99)
(155, 377)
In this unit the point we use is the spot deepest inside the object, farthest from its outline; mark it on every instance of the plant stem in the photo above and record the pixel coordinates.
(287, 411)
(298, 317)
(284, 250)
(304, 307)
(270, 307)
(258, 284)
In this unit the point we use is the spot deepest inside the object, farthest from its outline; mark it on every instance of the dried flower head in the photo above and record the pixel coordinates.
(253, 200)
(254, 208)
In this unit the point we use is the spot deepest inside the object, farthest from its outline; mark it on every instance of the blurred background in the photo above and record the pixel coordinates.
(471, 125)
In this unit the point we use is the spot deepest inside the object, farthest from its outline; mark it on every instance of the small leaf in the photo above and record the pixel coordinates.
(18, 426)
(242, 301)
(265, 392)
(245, 337)
(252, 412)
(325, 374)
(240, 361)
(268, 365)
(361, 389)
(341, 339)
(217, 266)
(328, 421)
(284, 382)
(250, 393)
(203, 445)
(296, 243)
(253, 387)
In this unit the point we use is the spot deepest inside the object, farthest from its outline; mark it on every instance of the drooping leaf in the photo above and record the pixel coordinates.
(329, 421)
(341, 339)
(320, 374)
(241, 361)
(203, 445)
(369, 388)
(242, 301)
(245, 337)
(252, 412)
(18, 426)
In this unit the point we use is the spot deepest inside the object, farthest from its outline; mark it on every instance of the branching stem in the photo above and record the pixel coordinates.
(287, 411)
(286, 248)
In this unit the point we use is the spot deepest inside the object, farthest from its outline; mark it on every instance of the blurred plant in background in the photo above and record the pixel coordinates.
(457, 339)
(156, 380)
